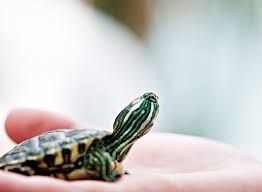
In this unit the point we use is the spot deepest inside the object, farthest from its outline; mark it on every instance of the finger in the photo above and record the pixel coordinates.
(22, 124)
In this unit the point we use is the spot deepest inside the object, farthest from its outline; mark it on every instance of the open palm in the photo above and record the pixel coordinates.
(157, 162)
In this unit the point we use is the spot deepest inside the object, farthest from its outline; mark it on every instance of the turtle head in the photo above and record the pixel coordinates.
(138, 117)
(134, 121)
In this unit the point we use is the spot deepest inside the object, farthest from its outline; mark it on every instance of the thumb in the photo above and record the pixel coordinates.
(22, 124)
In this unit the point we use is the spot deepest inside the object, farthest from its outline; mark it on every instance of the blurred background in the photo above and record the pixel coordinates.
(87, 59)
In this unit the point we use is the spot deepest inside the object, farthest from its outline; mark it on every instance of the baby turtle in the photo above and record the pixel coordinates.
(84, 153)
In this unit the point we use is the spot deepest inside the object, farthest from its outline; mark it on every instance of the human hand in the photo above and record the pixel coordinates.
(157, 162)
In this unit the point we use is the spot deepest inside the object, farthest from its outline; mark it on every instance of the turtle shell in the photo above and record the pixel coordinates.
(58, 153)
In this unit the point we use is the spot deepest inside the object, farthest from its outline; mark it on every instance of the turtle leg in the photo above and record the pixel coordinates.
(127, 172)
(25, 170)
(107, 169)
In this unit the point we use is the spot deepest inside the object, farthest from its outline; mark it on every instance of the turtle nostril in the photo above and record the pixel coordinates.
(152, 98)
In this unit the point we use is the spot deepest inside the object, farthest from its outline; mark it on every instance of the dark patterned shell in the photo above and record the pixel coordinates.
(51, 149)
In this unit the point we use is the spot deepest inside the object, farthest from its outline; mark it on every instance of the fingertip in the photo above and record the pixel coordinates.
(22, 124)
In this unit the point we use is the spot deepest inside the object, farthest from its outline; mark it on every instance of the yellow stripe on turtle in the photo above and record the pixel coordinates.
(74, 152)
(58, 157)
(81, 174)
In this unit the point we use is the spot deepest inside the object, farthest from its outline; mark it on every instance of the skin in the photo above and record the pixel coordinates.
(158, 162)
